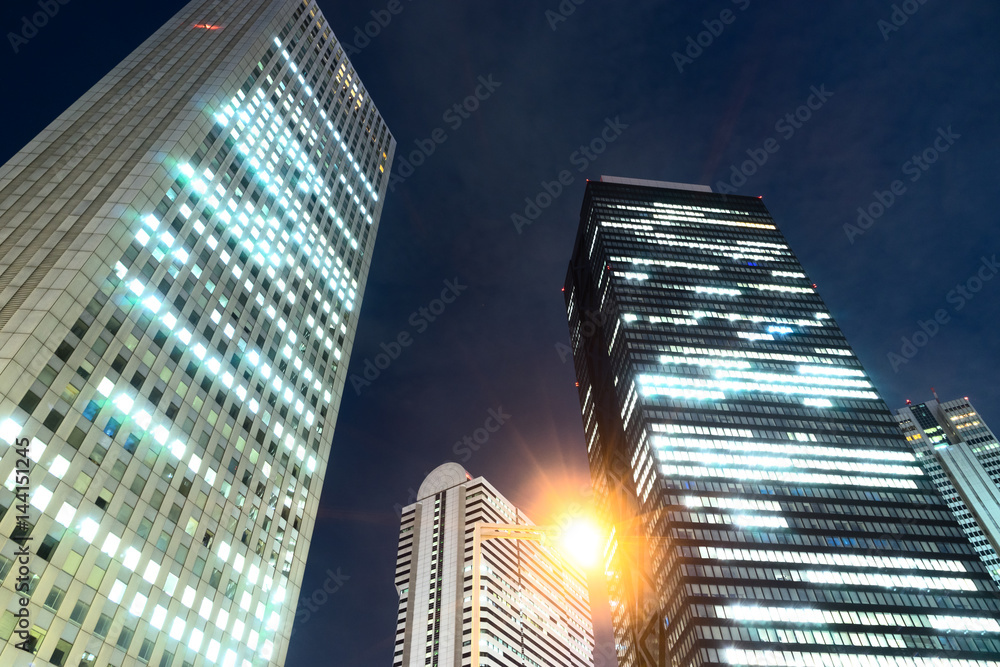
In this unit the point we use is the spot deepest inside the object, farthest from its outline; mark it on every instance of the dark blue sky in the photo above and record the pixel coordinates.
(885, 96)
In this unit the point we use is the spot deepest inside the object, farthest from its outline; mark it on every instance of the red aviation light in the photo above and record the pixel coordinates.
(207, 26)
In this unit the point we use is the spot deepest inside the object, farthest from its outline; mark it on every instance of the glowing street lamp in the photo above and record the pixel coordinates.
(582, 541)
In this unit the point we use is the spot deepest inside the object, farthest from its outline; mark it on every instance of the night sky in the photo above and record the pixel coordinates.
(884, 85)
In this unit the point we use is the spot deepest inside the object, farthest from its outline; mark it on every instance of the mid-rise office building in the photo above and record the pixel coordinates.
(535, 608)
(764, 507)
(184, 252)
(960, 454)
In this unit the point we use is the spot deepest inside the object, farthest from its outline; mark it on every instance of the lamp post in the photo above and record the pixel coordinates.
(493, 531)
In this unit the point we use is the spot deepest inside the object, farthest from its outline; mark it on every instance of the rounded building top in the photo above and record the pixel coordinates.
(443, 477)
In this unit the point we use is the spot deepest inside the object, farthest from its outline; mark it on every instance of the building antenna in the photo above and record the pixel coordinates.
(935, 395)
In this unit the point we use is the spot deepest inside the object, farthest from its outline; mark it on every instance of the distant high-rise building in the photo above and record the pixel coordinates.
(962, 457)
(764, 508)
(535, 607)
(183, 257)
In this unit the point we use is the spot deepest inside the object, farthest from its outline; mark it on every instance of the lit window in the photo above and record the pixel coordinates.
(212, 654)
(131, 558)
(158, 617)
(117, 591)
(88, 529)
(138, 604)
(66, 514)
(9, 430)
(111, 543)
(142, 419)
(237, 632)
(152, 569)
(41, 497)
(177, 629)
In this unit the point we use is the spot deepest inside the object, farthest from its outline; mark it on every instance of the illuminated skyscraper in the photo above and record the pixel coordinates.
(960, 454)
(535, 605)
(765, 508)
(184, 254)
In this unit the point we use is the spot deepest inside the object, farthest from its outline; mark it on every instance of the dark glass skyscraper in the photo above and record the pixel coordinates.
(765, 508)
